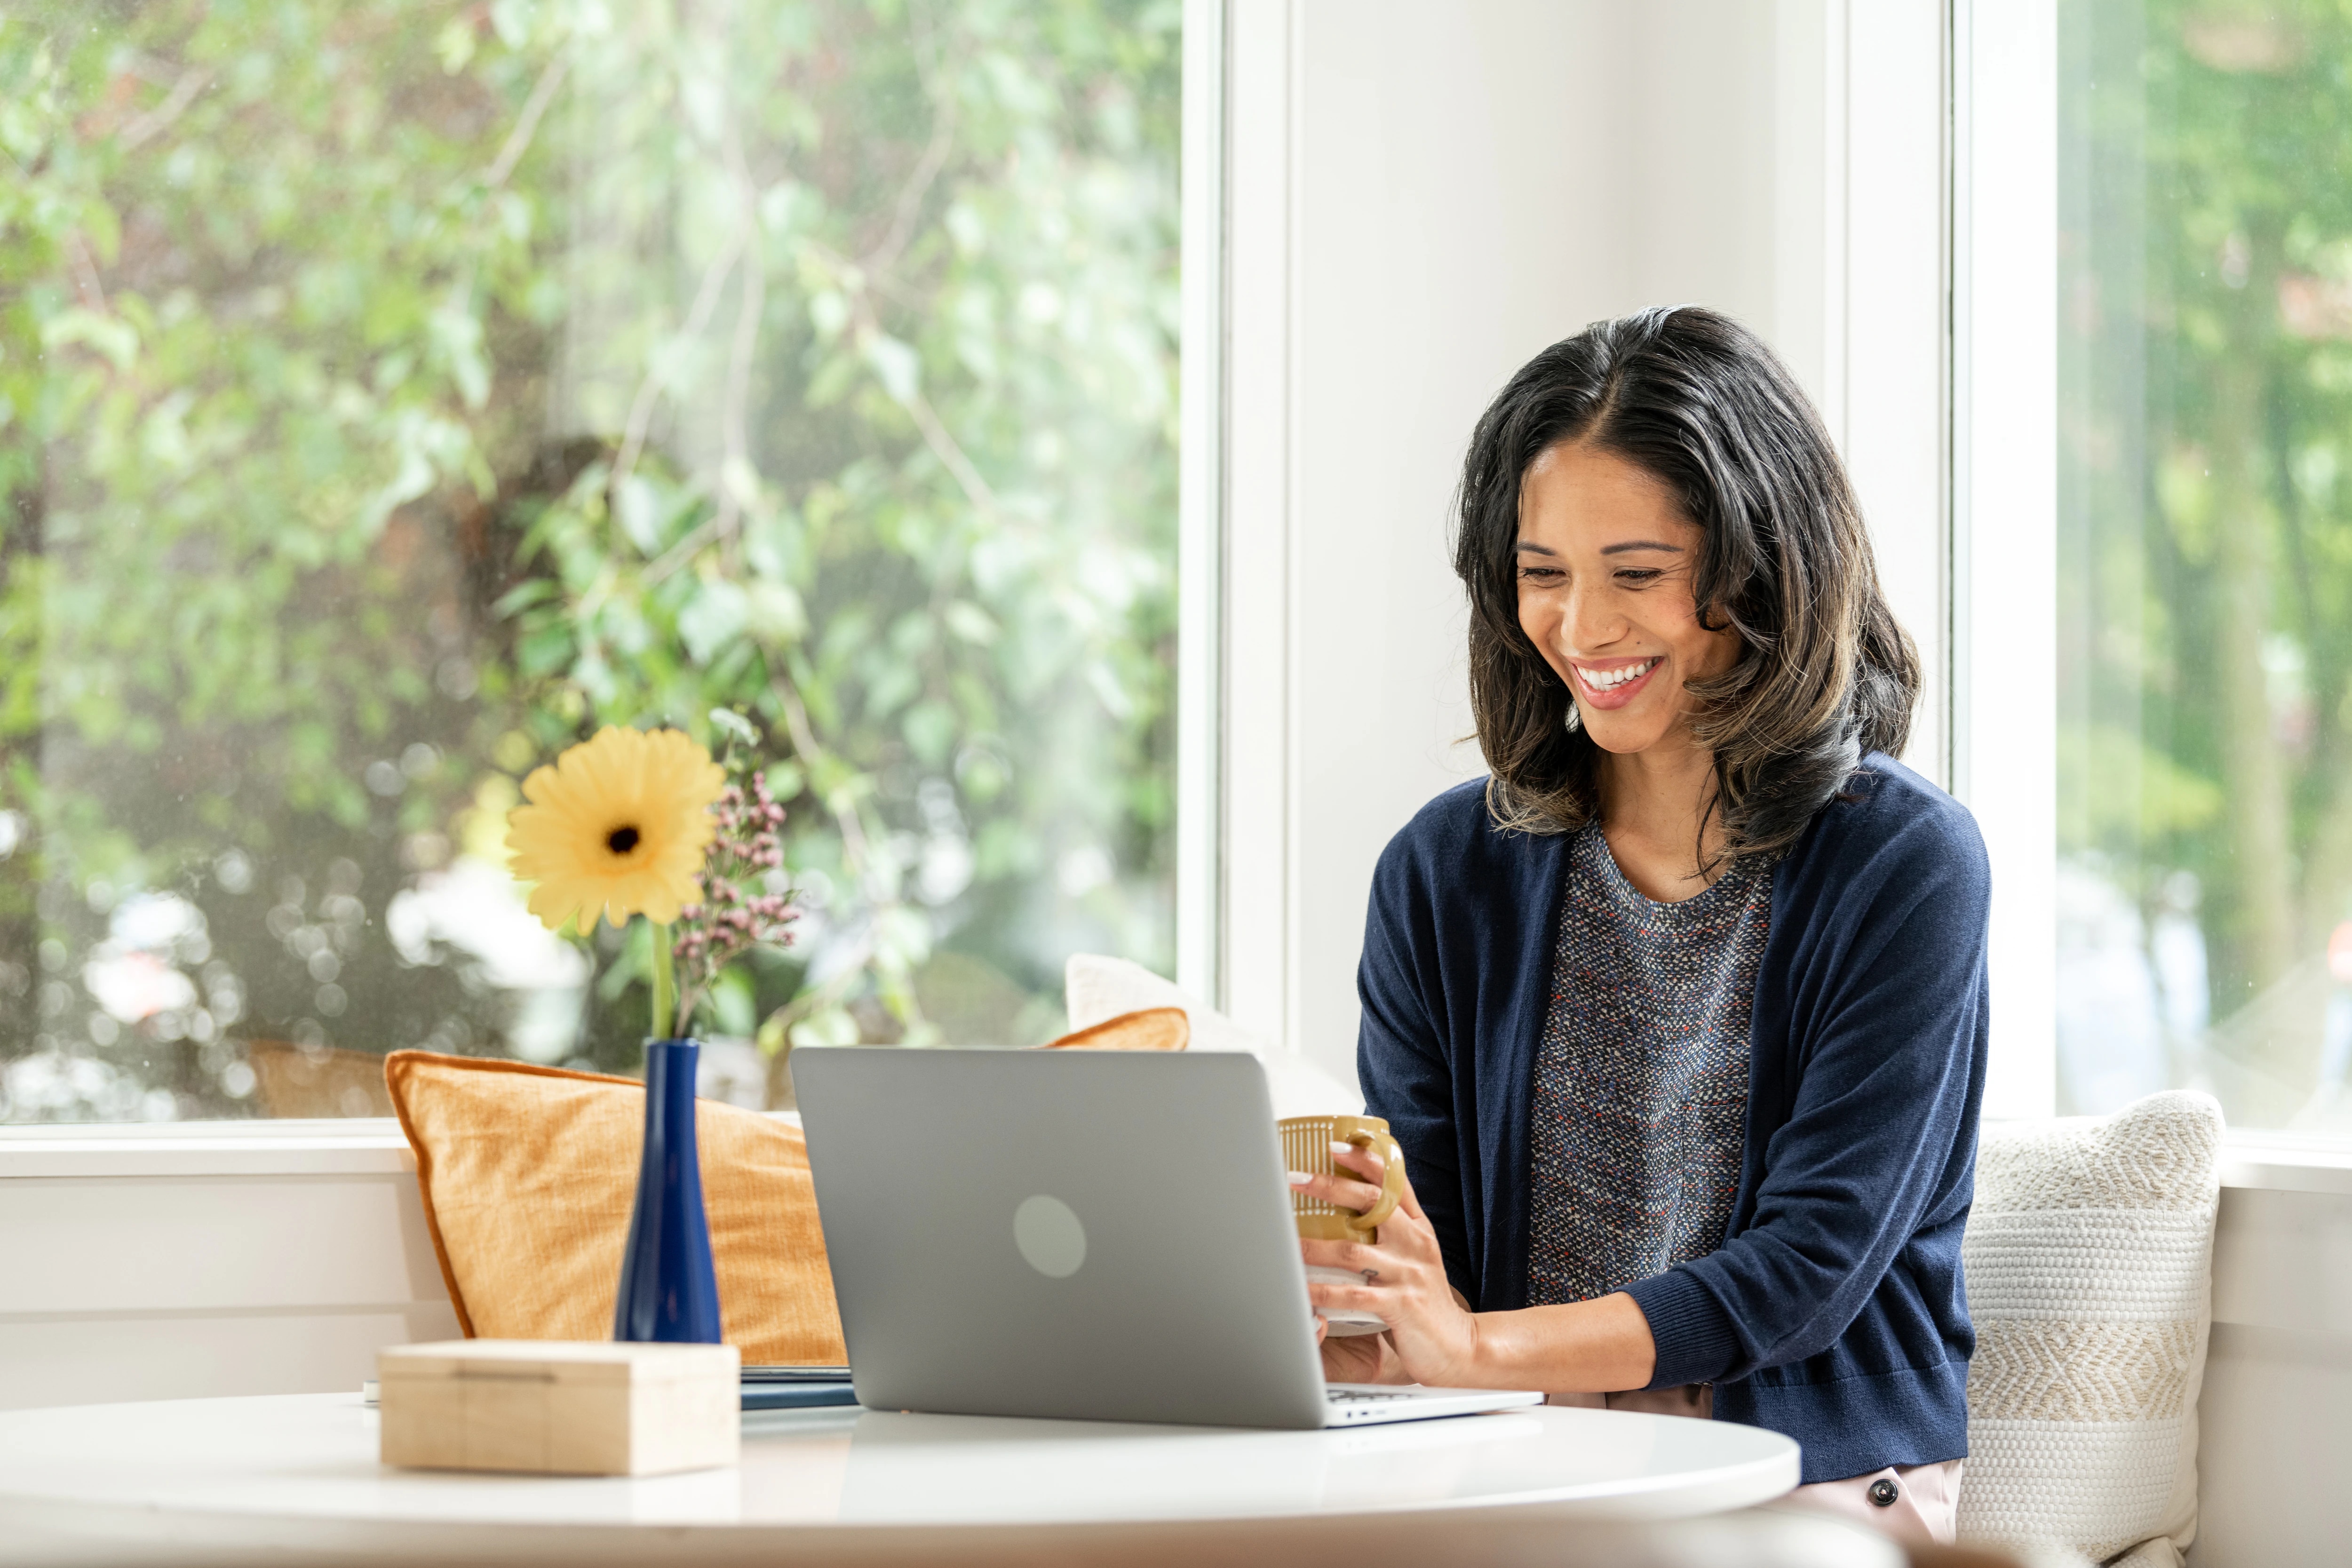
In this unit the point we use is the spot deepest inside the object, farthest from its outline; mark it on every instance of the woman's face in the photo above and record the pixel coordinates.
(1605, 561)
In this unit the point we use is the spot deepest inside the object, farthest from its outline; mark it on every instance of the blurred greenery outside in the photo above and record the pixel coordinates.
(392, 392)
(2205, 556)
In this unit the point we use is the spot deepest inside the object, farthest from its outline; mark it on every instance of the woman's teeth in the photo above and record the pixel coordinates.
(1609, 679)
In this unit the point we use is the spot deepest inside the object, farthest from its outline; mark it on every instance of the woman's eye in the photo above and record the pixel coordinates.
(1541, 573)
(1637, 576)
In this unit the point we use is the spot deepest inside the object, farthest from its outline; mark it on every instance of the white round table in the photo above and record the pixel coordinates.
(295, 1478)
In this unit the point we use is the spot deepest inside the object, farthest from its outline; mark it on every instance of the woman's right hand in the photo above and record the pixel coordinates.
(1432, 1332)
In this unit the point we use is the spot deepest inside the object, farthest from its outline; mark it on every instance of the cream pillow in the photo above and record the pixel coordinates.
(2088, 1262)
(1095, 988)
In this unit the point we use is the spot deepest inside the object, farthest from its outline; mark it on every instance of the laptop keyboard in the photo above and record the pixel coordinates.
(1358, 1397)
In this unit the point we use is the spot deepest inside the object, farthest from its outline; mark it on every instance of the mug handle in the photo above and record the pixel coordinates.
(1392, 1183)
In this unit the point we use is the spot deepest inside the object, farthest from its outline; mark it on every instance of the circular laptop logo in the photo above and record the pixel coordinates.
(1049, 1236)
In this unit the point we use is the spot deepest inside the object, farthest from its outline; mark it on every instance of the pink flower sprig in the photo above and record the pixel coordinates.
(734, 913)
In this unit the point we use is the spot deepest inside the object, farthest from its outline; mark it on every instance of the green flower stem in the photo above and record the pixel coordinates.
(664, 984)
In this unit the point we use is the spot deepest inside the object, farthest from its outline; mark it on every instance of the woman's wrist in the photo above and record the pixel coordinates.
(1495, 1354)
(1484, 1352)
(1468, 1366)
(1601, 1346)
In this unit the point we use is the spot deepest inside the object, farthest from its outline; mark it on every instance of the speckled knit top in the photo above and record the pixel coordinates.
(1641, 1077)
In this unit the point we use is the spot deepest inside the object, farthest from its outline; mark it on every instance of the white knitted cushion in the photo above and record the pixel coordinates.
(2088, 1261)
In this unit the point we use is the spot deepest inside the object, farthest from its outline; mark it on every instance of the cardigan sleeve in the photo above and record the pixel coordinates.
(1401, 1062)
(1889, 1025)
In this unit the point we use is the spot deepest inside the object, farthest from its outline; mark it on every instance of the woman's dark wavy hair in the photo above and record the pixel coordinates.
(1697, 401)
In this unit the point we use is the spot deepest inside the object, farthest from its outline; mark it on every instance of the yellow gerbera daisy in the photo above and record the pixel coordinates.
(616, 828)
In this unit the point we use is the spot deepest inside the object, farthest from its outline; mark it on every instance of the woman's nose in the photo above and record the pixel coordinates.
(1585, 623)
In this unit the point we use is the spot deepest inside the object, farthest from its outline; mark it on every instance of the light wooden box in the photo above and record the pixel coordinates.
(561, 1407)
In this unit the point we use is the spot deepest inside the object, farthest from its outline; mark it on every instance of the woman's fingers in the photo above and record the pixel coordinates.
(1343, 1298)
(1372, 1168)
(1353, 1257)
(1338, 1190)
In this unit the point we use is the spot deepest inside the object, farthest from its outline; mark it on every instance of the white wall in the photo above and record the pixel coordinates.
(2274, 1443)
(227, 1259)
(1415, 210)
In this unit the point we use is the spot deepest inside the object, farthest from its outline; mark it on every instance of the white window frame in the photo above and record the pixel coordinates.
(1252, 942)
(2004, 488)
(1202, 700)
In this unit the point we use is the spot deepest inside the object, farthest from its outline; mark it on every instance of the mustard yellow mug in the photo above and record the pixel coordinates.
(1307, 1146)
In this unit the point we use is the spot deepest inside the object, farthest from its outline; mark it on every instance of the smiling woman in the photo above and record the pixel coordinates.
(1679, 1018)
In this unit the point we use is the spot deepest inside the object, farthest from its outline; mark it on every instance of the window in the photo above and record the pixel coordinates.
(392, 394)
(2205, 558)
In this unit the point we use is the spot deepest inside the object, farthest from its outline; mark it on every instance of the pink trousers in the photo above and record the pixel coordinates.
(1915, 1504)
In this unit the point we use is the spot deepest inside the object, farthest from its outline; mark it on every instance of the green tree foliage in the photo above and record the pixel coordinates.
(2205, 556)
(391, 392)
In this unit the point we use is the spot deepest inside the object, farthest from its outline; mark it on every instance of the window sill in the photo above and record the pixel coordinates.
(335, 1147)
(2287, 1163)
(357, 1146)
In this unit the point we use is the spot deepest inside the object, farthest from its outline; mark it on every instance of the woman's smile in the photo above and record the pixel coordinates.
(1607, 683)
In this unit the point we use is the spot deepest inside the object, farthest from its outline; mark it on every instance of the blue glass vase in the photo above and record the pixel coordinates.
(669, 1291)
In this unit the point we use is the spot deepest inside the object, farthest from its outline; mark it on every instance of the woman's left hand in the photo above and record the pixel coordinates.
(1434, 1340)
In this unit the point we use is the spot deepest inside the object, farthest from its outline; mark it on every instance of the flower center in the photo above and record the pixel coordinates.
(620, 840)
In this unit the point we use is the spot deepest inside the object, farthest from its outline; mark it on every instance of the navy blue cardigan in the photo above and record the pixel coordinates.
(1833, 1310)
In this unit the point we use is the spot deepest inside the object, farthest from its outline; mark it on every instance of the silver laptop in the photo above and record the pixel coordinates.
(1091, 1235)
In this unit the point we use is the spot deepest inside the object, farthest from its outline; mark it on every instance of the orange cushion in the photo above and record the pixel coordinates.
(529, 1175)
(1145, 1029)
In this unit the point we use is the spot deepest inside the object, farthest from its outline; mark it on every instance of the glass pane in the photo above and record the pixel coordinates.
(2205, 920)
(391, 395)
